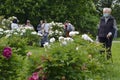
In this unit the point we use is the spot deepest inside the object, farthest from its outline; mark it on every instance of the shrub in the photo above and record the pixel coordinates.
(18, 44)
(77, 60)
(14, 68)
(7, 22)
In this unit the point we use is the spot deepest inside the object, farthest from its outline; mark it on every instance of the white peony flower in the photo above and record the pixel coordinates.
(60, 33)
(34, 33)
(14, 17)
(51, 32)
(3, 21)
(56, 31)
(86, 37)
(15, 33)
(73, 33)
(11, 22)
(8, 35)
(77, 48)
(64, 43)
(1, 29)
(46, 44)
(1, 32)
(18, 29)
(52, 40)
(52, 23)
(7, 31)
(68, 39)
(21, 34)
(61, 38)
(23, 31)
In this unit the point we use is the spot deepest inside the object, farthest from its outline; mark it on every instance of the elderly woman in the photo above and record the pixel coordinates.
(106, 30)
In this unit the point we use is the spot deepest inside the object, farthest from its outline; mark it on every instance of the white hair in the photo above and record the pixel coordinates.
(108, 9)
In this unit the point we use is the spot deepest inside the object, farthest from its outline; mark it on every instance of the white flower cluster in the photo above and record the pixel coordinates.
(9, 20)
(65, 41)
(20, 31)
(73, 33)
(56, 24)
(56, 29)
(52, 40)
(86, 37)
(1, 31)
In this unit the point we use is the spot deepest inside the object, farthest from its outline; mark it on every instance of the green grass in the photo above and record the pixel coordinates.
(35, 50)
(112, 68)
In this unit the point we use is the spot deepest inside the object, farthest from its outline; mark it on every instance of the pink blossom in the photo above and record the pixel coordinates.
(7, 52)
(34, 76)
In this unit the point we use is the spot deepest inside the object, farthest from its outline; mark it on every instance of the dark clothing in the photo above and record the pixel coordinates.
(44, 39)
(106, 27)
(39, 27)
(107, 44)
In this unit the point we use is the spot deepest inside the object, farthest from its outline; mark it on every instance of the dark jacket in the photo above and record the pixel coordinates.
(106, 27)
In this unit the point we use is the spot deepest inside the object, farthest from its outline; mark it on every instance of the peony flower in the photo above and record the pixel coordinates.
(46, 45)
(1, 29)
(1, 32)
(14, 17)
(21, 34)
(73, 33)
(8, 35)
(3, 21)
(7, 52)
(52, 40)
(51, 32)
(23, 30)
(60, 33)
(61, 38)
(7, 31)
(68, 39)
(77, 48)
(86, 37)
(56, 31)
(34, 76)
(15, 33)
(29, 54)
(18, 29)
(64, 43)
(34, 33)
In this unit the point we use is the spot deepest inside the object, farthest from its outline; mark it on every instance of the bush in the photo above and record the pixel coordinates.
(14, 68)
(78, 60)
(18, 44)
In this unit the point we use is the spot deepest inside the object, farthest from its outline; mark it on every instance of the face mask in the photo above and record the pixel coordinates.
(106, 15)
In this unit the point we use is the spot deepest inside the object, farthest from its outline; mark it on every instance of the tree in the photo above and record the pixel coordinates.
(81, 13)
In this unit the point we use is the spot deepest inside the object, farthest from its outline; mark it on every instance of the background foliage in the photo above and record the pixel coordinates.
(81, 13)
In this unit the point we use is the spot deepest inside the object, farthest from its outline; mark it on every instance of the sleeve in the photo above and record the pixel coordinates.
(98, 28)
(114, 28)
(115, 25)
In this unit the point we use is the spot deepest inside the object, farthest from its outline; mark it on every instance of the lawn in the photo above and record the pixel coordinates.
(113, 68)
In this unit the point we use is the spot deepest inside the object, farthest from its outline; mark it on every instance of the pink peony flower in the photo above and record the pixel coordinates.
(7, 52)
(34, 76)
